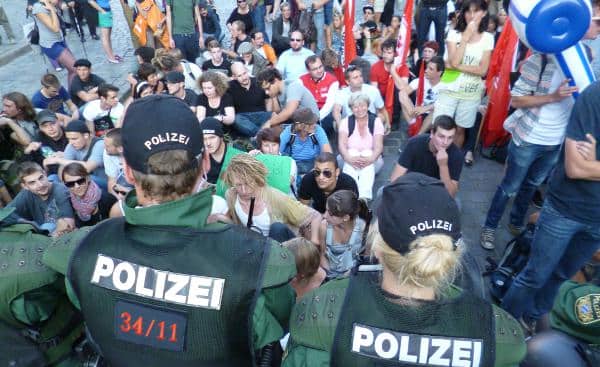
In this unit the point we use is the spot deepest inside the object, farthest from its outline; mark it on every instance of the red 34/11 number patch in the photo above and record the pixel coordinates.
(149, 325)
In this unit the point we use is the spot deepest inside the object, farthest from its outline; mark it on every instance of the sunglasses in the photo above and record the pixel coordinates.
(71, 184)
(296, 39)
(326, 173)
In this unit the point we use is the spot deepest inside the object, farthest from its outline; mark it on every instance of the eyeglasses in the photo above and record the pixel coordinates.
(326, 173)
(296, 39)
(71, 184)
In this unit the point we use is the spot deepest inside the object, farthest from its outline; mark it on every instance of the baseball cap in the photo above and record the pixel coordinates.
(77, 126)
(211, 125)
(83, 62)
(175, 77)
(159, 123)
(245, 48)
(416, 205)
(45, 116)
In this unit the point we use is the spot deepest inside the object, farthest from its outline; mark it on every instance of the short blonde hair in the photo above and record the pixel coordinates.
(307, 255)
(432, 262)
(246, 168)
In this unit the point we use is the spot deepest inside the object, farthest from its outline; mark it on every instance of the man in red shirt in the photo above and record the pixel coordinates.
(323, 86)
(384, 72)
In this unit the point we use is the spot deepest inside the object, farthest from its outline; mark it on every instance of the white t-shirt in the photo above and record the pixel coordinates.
(261, 221)
(191, 73)
(469, 86)
(92, 111)
(431, 93)
(375, 100)
(553, 117)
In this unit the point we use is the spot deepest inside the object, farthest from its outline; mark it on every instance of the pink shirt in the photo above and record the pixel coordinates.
(361, 139)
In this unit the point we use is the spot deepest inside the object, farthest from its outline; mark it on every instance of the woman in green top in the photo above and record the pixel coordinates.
(409, 313)
(469, 51)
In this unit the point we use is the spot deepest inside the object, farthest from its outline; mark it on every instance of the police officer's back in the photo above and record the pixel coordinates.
(160, 286)
(409, 314)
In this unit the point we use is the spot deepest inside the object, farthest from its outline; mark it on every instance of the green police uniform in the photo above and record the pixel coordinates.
(576, 311)
(37, 323)
(188, 335)
(315, 334)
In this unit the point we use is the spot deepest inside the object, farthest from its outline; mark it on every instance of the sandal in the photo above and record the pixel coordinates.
(469, 159)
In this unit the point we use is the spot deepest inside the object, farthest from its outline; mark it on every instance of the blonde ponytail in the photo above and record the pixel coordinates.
(432, 262)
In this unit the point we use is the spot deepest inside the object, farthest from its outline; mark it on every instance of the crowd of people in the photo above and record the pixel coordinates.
(230, 199)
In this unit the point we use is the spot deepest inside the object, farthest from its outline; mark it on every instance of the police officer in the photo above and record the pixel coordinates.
(38, 325)
(409, 314)
(160, 286)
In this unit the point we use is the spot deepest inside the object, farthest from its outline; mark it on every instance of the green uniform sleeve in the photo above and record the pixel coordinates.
(575, 311)
(510, 341)
(274, 304)
(313, 323)
(58, 254)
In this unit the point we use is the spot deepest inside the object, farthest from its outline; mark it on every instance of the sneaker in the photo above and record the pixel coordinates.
(82, 38)
(58, 69)
(538, 199)
(119, 58)
(528, 327)
(487, 238)
(515, 230)
(114, 61)
(95, 37)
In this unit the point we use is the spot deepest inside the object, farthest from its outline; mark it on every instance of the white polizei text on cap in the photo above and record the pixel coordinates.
(431, 224)
(165, 138)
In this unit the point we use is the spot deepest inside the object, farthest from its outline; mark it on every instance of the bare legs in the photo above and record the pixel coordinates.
(67, 60)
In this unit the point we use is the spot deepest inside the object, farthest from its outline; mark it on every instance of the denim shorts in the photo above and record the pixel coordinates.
(55, 51)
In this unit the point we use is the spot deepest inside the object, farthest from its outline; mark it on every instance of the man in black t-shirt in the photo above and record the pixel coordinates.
(217, 62)
(176, 87)
(84, 87)
(325, 179)
(50, 140)
(249, 100)
(434, 155)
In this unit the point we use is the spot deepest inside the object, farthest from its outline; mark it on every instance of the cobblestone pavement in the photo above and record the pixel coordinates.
(477, 184)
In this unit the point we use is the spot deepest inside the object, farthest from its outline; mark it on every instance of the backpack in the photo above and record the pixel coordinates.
(352, 123)
(513, 260)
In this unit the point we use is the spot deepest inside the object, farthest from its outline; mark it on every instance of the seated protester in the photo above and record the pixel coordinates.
(431, 84)
(385, 69)
(50, 141)
(341, 233)
(90, 203)
(284, 99)
(41, 201)
(176, 87)
(434, 155)
(267, 141)
(249, 100)
(54, 97)
(5, 197)
(252, 60)
(84, 148)
(323, 86)
(356, 84)
(430, 50)
(309, 273)
(291, 61)
(217, 61)
(84, 86)
(105, 113)
(18, 118)
(281, 28)
(143, 54)
(113, 164)
(264, 49)
(150, 74)
(211, 26)
(411, 302)
(304, 140)
(219, 152)
(190, 71)
(238, 35)
(254, 204)
(325, 179)
(360, 143)
(215, 101)
(141, 90)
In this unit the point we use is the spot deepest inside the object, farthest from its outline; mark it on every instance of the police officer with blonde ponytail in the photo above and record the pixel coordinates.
(409, 313)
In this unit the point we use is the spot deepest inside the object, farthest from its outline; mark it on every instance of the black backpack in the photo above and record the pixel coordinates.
(514, 259)
(352, 123)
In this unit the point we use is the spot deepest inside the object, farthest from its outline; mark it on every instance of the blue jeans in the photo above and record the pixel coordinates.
(188, 44)
(280, 232)
(527, 166)
(327, 125)
(248, 123)
(561, 246)
(328, 9)
(319, 20)
(258, 18)
(439, 18)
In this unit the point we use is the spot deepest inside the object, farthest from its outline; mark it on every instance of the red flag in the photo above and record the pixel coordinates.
(498, 86)
(413, 129)
(349, 42)
(402, 49)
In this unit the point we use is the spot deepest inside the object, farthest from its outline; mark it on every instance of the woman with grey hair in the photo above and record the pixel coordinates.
(360, 143)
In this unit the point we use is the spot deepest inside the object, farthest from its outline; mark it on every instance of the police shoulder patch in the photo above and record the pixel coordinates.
(587, 309)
